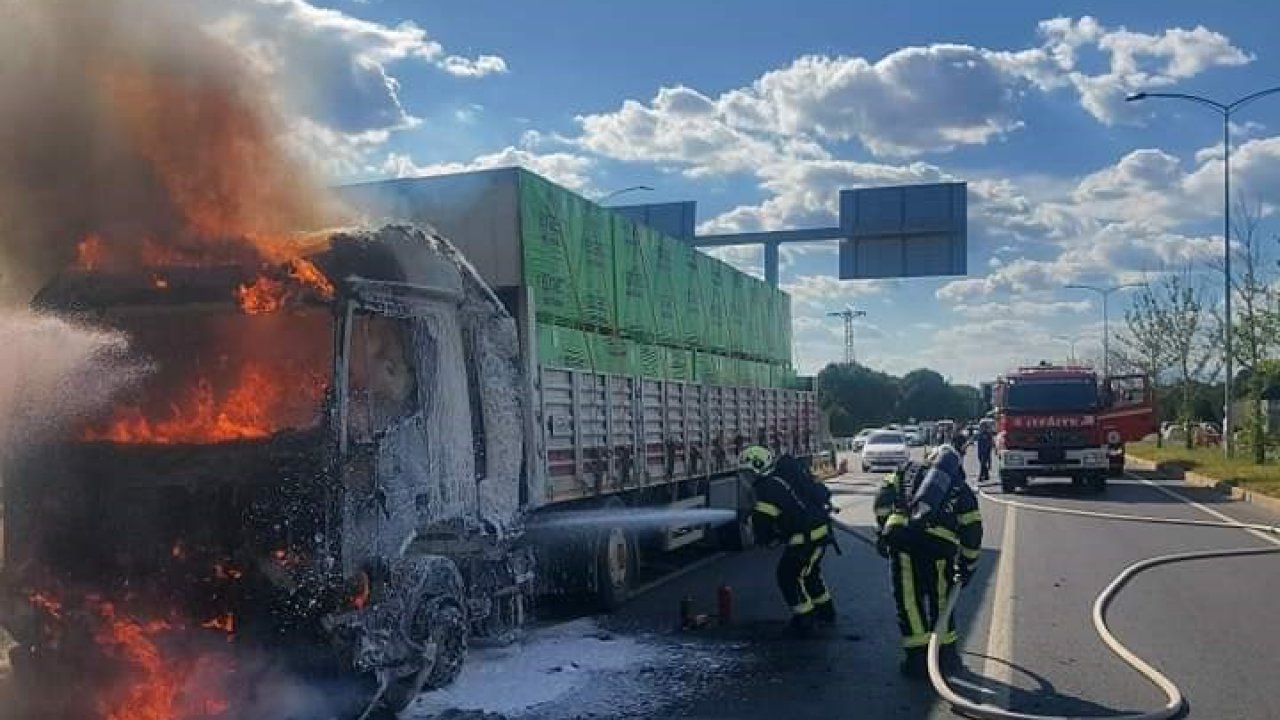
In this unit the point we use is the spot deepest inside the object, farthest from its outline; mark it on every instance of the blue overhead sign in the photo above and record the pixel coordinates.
(904, 231)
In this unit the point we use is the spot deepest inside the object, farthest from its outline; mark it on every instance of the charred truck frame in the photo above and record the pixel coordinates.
(378, 508)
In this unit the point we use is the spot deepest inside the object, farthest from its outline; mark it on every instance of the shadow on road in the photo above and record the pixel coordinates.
(1118, 491)
(1040, 698)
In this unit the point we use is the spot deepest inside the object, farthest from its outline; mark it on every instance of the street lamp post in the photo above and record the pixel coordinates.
(1071, 342)
(1105, 293)
(1225, 110)
(615, 193)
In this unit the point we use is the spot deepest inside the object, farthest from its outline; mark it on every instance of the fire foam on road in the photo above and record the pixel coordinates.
(546, 665)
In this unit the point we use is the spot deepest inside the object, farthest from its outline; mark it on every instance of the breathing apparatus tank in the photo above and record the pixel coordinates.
(944, 469)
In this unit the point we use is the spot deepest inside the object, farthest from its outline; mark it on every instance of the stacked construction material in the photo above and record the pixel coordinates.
(607, 294)
(619, 297)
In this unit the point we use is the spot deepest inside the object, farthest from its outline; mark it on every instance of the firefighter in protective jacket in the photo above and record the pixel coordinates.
(792, 509)
(930, 529)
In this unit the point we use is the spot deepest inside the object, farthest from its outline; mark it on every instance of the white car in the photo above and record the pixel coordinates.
(860, 439)
(884, 451)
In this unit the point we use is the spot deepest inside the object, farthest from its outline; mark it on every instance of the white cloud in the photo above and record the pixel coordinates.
(566, 169)
(332, 71)
(1023, 309)
(911, 101)
(1135, 61)
(826, 293)
(747, 258)
(473, 67)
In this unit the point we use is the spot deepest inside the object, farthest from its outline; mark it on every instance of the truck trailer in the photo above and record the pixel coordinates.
(350, 457)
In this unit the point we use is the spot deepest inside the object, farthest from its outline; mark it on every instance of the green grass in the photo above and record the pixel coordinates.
(1210, 461)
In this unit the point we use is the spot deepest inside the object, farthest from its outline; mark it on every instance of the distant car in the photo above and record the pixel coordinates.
(860, 439)
(884, 451)
(914, 436)
(1202, 433)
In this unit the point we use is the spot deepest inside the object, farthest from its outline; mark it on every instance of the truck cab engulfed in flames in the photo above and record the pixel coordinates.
(329, 452)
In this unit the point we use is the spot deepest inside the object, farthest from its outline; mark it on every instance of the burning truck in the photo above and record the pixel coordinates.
(336, 456)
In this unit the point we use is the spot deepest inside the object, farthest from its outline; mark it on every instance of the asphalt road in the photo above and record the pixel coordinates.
(1027, 636)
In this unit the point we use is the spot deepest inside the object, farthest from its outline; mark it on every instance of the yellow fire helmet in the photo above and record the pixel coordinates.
(757, 459)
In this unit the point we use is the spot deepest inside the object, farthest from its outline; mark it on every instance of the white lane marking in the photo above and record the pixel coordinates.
(1204, 508)
(998, 666)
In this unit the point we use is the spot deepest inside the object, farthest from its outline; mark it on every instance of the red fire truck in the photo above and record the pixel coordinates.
(1066, 421)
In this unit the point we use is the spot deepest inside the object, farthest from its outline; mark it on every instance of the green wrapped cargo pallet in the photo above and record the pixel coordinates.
(568, 255)
(781, 311)
(760, 374)
(770, 332)
(663, 260)
(612, 354)
(636, 317)
(708, 368)
(562, 347)
(648, 360)
(713, 277)
(679, 364)
(760, 307)
(692, 300)
(734, 300)
(784, 317)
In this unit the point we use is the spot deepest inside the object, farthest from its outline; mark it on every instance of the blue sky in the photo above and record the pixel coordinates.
(762, 112)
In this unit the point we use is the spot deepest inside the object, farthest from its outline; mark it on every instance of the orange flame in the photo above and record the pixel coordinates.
(264, 295)
(306, 273)
(251, 410)
(89, 253)
(159, 687)
(360, 600)
(225, 622)
(50, 605)
(154, 695)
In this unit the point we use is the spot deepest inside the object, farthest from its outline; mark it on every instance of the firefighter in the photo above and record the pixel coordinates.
(986, 444)
(930, 529)
(793, 511)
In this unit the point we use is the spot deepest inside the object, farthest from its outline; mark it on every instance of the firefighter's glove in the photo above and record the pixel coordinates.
(964, 573)
(882, 546)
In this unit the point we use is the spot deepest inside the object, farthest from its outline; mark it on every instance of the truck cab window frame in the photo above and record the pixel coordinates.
(382, 377)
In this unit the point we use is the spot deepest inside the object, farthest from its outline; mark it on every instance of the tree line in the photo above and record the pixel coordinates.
(1174, 333)
(856, 396)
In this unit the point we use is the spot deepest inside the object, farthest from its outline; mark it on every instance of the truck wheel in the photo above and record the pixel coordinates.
(439, 623)
(615, 568)
(1008, 483)
(1098, 484)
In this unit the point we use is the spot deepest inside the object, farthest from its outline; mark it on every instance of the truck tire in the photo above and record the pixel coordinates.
(1097, 483)
(616, 568)
(442, 623)
(1008, 483)
(614, 562)
(433, 592)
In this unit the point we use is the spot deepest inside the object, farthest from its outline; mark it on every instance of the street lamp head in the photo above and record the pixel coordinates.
(1134, 97)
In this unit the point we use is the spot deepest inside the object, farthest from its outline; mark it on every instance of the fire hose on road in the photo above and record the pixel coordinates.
(1175, 700)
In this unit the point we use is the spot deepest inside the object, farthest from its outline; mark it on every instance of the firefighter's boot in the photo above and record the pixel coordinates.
(949, 660)
(825, 613)
(801, 626)
(916, 664)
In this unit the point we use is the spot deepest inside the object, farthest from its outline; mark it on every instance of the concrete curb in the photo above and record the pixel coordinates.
(1265, 502)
